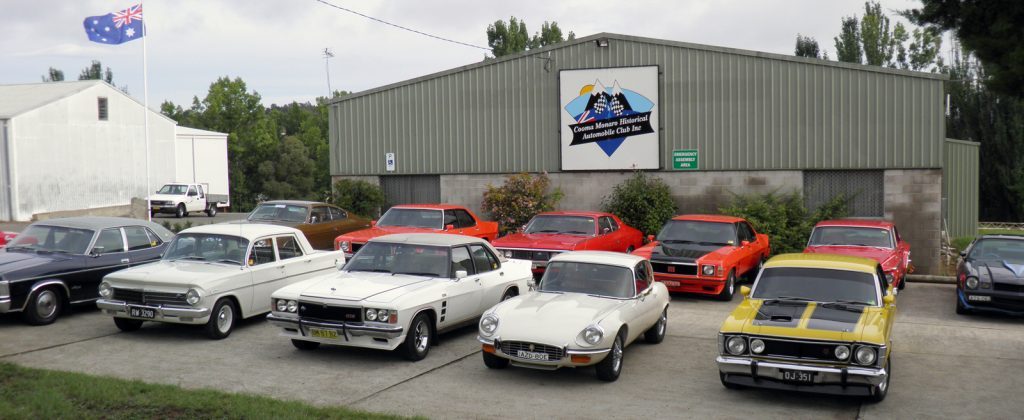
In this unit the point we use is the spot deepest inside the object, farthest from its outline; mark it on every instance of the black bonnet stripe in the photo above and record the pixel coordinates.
(786, 314)
(832, 319)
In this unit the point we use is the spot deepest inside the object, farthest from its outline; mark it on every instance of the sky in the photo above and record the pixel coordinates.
(276, 46)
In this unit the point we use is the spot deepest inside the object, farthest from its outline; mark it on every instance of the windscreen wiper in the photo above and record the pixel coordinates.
(416, 273)
(784, 299)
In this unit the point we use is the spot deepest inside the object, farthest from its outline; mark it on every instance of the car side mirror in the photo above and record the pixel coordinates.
(461, 274)
(97, 251)
(252, 261)
(745, 291)
(522, 228)
(449, 227)
(339, 264)
(744, 243)
(604, 231)
(963, 254)
(373, 223)
(531, 284)
(889, 299)
(312, 220)
(650, 238)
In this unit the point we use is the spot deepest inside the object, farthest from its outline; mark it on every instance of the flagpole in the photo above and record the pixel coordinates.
(145, 101)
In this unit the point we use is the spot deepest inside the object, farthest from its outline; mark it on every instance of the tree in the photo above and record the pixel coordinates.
(990, 29)
(875, 37)
(549, 34)
(95, 72)
(848, 48)
(807, 47)
(510, 38)
(54, 75)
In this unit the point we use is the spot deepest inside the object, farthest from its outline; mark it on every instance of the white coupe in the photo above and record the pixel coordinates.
(398, 292)
(212, 275)
(588, 307)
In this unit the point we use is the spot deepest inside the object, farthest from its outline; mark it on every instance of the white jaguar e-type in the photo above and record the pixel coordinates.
(588, 307)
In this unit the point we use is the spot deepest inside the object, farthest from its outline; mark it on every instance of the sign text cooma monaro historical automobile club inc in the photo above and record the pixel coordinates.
(608, 117)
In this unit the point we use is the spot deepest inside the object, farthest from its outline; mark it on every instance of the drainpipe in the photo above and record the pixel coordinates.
(6, 139)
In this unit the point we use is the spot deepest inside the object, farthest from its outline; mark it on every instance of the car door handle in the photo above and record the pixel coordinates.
(124, 261)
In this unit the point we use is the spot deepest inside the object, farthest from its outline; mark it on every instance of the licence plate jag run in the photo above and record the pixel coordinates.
(322, 333)
(140, 312)
(798, 376)
(531, 355)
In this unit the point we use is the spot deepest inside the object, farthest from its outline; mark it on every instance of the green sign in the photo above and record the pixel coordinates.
(685, 160)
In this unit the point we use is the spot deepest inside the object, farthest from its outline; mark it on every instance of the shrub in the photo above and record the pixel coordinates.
(177, 227)
(359, 197)
(961, 243)
(783, 217)
(519, 199)
(642, 202)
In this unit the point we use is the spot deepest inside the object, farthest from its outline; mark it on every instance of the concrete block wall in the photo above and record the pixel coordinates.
(913, 200)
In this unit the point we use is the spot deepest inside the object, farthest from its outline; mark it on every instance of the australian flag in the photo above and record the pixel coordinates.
(115, 28)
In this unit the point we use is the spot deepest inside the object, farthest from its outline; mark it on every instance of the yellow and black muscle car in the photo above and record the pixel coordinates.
(812, 322)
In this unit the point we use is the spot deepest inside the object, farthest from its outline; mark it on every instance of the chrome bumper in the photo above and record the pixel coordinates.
(5, 305)
(596, 355)
(162, 311)
(355, 329)
(847, 380)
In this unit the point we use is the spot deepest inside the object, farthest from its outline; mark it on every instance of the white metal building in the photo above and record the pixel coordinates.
(80, 145)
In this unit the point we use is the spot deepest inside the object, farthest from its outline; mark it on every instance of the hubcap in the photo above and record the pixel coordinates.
(422, 337)
(661, 323)
(46, 304)
(617, 355)
(731, 285)
(224, 318)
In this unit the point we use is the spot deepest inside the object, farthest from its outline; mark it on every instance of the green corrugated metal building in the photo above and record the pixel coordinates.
(752, 122)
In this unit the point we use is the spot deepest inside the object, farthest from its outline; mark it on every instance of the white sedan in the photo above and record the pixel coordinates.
(398, 292)
(213, 275)
(588, 307)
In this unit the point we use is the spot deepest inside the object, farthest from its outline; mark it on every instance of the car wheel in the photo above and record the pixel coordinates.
(879, 392)
(180, 212)
(305, 345)
(730, 287)
(127, 325)
(752, 274)
(656, 334)
(494, 362)
(417, 340)
(609, 369)
(212, 210)
(509, 294)
(728, 385)
(222, 319)
(960, 309)
(44, 306)
(903, 283)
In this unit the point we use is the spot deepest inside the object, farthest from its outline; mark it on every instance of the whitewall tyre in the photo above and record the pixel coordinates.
(222, 319)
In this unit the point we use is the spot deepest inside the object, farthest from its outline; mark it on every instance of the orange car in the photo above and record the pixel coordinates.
(705, 254)
(415, 218)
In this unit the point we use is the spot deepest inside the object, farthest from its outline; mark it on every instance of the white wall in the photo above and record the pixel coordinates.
(65, 158)
(203, 158)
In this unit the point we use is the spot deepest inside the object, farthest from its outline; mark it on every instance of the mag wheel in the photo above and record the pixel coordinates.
(417, 340)
(610, 368)
(656, 334)
(730, 287)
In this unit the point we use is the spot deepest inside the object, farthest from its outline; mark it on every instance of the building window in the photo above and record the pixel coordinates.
(101, 104)
(864, 191)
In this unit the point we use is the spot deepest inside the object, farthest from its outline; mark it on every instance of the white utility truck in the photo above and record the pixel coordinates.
(181, 198)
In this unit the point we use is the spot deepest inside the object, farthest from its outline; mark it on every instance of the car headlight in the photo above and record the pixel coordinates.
(866, 355)
(591, 335)
(756, 346)
(971, 282)
(282, 305)
(736, 345)
(488, 325)
(382, 315)
(344, 246)
(707, 270)
(842, 352)
(371, 314)
(105, 290)
(508, 254)
(192, 296)
(292, 306)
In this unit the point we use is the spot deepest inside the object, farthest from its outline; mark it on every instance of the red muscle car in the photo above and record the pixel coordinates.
(875, 239)
(6, 237)
(705, 254)
(551, 233)
(413, 218)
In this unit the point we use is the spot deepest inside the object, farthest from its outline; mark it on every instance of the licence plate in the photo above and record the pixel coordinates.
(670, 283)
(140, 312)
(531, 355)
(156, 208)
(979, 298)
(797, 376)
(322, 333)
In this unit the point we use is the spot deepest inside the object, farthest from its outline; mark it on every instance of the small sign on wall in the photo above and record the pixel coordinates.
(389, 161)
(685, 160)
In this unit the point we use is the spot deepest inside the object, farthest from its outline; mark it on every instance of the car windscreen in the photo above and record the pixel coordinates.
(280, 212)
(692, 231)
(816, 284)
(570, 225)
(59, 239)
(207, 247)
(394, 258)
(588, 278)
(851, 236)
(423, 218)
(173, 189)
(998, 249)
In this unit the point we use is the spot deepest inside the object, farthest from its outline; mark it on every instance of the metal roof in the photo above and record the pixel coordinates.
(20, 98)
(189, 131)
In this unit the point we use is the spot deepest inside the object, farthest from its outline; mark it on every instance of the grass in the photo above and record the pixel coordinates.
(1000, 232)
(27, 393)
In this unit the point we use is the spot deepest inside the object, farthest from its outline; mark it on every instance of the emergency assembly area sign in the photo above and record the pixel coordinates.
(609, 118)
(685, 160)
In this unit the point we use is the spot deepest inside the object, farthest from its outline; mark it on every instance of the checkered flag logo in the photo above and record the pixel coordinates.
(617, 107)
(601, 105)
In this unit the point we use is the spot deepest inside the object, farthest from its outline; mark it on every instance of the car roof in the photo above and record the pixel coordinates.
(575, 213)
(295, 202)
(718, 218)
(857, 223)
(249, 231)
(828, 261)
(100, 222)
(435, 239)
(1019, 236)
(428, 206)
(600, 257)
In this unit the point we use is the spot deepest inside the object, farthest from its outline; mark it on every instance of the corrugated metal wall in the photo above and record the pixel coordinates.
(742, 110)
(960, 187)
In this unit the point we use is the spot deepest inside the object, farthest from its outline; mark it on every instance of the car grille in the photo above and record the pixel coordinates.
(159, 202)
(149, 298)
(330, 313)
(800, 350)
(511, 348)
(524, 254)
(1006, 304)
(1005, 287)
(680, 269)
